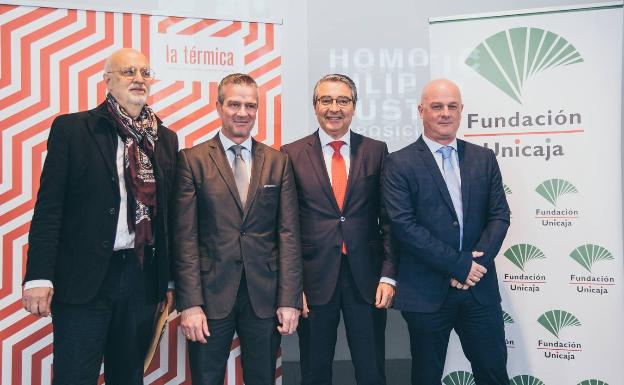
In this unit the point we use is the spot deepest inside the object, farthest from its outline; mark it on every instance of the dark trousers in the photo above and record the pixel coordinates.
(115, 325)
(259, 342)
(365, 326)
(481, 332)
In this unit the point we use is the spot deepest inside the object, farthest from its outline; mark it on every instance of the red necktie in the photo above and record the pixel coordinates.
(339, 178)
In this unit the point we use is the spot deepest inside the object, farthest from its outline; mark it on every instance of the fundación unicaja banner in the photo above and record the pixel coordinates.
(542, 88)
(51, 63)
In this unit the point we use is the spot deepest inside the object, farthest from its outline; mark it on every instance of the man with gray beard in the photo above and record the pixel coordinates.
(98, 251)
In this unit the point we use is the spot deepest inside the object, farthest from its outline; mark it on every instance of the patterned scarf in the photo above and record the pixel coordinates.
(138, 136)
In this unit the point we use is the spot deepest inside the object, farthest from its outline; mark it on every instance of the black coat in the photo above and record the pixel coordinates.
(72, 232)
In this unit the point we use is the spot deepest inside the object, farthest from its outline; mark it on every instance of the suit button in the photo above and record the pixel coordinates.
(243, 233)
(239, 262)
(455, 223)
(106, 244)
(111, 211)
(342, 219)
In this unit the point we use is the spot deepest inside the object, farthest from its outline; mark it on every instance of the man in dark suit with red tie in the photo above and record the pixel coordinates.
(347, 262)
(449, 215)
(236, 244)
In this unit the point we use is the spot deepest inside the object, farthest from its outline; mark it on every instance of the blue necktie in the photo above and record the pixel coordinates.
(453, 186)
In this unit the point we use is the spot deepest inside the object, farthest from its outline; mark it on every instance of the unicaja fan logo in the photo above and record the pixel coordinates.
(509, 58)
(555, 320)
(552, 189)
(587, 255)
(592, 382)
(522, 253)
(459, 377)
(525, 379)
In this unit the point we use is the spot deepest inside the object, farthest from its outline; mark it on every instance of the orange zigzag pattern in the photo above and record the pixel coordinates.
(51, 60)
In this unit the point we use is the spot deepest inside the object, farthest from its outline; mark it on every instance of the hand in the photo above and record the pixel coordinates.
(384, 295)
(477, 254)
(458, 285)
(288, 317)
(306, 310)
(194, 325)
(37, 300)
(476, 273)
(169, 300)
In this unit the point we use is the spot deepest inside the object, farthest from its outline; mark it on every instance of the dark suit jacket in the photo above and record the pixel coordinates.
(425, 224)
(72, 232)
(361, 224)
(215, 237)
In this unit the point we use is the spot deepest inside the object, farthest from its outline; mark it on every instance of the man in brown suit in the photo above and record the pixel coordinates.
(236, 244)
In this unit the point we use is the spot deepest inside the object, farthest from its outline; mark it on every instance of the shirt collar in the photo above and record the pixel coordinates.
(227, 143)
(435, 146)
(325, 138)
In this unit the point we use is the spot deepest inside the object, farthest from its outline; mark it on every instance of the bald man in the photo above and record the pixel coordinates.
(448, 211)
(98, 251)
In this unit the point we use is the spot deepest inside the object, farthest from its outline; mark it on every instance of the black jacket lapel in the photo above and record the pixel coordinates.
(315, 155)
(432, 166)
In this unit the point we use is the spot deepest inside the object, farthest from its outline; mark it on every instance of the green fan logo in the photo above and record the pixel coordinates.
(522, 253)
(509, 58)
(587, 255)
(507, 318)
(525, 379)
(592, 382)
(459, 378)
(555, 320)
(506, 189)
(552, 189)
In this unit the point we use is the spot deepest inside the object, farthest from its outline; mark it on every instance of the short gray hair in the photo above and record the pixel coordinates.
(336, 78)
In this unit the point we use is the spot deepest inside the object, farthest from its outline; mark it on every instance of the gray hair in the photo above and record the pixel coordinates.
(336, 78)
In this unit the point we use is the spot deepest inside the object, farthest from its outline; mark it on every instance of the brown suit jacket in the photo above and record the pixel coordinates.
(215, 237)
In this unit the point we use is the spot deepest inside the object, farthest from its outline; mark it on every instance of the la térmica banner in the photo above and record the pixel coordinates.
(51, 63)
(543, 89)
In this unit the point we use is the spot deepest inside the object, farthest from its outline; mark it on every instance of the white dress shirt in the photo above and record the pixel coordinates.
(123, 238)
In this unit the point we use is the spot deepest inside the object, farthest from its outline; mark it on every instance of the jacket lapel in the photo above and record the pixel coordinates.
(217, 153)
(315, 155)
(257, 152)
(464, 170)
(434, 170)
(357, 157)
(100, 126)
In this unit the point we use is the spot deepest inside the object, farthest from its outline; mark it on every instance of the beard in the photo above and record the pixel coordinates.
(137, 100)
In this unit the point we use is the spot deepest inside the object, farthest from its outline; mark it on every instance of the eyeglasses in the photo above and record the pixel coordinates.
(131, 72)
(327, 101)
